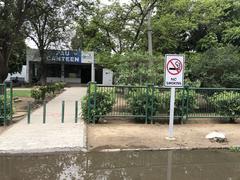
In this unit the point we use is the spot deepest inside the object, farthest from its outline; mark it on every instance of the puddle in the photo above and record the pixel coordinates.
(142, 165)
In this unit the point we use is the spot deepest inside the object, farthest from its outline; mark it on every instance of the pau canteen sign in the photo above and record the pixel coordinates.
(174, 70)
(70, 56)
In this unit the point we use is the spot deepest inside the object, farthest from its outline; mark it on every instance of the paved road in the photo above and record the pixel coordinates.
(52, 136)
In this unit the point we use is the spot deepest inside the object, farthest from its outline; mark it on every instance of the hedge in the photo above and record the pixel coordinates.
(104, 104)
(226, 103)
(40, 92)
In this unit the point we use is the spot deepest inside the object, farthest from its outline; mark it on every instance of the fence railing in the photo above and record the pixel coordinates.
(6, 103)
(150, 102)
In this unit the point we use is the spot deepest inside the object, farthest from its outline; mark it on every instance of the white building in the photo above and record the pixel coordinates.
(66, 66)
(22, 76)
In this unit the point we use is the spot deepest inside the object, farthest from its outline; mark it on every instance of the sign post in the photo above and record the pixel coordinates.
(173, 78)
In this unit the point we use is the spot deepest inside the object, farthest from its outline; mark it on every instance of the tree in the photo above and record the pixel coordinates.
(49, 25)
(217, 67)
(114, 28)
(134, 68)
(13, 14)
(17, 57)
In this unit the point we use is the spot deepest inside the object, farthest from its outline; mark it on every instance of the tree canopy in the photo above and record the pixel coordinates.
(206, 31)
(118, 31)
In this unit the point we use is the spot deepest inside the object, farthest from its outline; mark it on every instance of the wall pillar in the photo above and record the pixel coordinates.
(93, 72)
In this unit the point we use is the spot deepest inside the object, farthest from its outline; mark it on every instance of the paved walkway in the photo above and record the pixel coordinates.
(52, 136)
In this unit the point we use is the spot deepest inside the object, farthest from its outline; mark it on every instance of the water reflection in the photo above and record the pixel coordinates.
(170, 165)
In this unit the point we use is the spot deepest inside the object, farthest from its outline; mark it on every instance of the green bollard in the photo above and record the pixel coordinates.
(5, 104)
(76, 111)
(63, 109)
(44, 112)
(29, 113)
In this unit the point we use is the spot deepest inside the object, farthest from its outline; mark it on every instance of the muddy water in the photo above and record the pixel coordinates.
(147, 165)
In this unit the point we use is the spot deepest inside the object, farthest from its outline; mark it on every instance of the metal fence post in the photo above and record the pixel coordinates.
(11, 101)
(76, 111)
(29, 113)
(183, 113)
(187, 89)
(146, 108)
(94, 102)
(44, 112)
(63, 109)
(88, 102)
(152, 102)
(5, 105)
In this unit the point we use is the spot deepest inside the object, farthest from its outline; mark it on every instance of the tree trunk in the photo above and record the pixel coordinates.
(43, 68)
(3, 69)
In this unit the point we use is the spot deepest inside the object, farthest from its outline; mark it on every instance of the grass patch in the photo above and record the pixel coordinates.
(21, 93)
(234, 149)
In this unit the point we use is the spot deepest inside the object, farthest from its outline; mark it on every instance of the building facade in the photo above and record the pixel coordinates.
(67, 66)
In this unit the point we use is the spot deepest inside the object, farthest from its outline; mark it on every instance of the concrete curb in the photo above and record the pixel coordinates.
(84, 135)
(161, 149)
(43, 151)
(84, 150)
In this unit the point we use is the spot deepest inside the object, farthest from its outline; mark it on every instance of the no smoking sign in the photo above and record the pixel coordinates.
(174, 70)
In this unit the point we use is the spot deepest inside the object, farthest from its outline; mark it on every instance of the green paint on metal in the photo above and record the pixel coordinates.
(29, 113)
(190, 102)
(146, 108)
(5, 105)
(88, 102)
(63, 111)
(94, 102)
(152, 98)
(183, 113)
(11, 101)
(76, 111)
(187, 105)
(44, 112)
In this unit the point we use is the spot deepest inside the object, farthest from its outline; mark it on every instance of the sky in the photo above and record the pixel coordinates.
(109, 1)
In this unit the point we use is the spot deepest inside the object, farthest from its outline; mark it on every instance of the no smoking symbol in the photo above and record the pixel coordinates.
(174, 66)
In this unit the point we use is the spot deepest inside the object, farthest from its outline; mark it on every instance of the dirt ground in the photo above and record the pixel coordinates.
(153, 136)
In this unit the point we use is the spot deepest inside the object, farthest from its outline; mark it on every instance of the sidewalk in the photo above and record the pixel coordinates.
(52, 136)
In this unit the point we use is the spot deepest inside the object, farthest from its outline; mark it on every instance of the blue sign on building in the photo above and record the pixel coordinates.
(69, 56)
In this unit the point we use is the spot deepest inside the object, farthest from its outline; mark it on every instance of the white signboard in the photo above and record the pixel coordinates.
(87, 57)
(174, 70)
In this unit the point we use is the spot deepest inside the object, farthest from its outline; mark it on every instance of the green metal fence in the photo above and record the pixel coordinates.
(215, 103)
(150, 102)
(6, 103)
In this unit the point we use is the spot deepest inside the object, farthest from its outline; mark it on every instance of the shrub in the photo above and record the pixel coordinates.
(180, 101)
(43, 90)
(8, 110)
(62, 85)
(51, 88)
(39, 92)
(59, 86)
(36, 93)
(104, 104)
(226, 104)
(138, 99)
